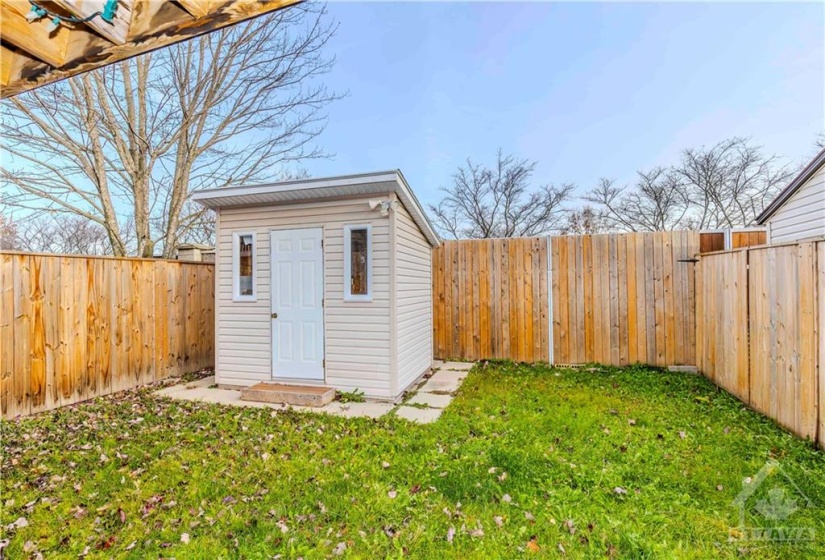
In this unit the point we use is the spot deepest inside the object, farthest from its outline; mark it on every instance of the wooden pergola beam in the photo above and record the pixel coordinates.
(32, 37)
(116, 31)
(6, 62)
(198, 8)
(153, 24)
(11, 61)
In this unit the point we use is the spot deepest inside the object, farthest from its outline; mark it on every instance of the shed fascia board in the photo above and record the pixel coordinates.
(316, 189)
(790, 190)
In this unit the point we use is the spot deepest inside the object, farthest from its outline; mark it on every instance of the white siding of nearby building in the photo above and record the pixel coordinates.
(803, 215)
(414, 321)
(357, 334)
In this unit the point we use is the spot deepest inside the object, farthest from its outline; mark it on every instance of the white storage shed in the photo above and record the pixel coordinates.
(323, 282)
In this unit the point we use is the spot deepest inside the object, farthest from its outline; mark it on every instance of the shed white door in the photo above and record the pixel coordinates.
(297, 304)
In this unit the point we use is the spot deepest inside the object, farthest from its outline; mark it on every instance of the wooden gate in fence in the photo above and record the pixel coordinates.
(624, 298)
(614, 299)
(73, 328)
(761, 330)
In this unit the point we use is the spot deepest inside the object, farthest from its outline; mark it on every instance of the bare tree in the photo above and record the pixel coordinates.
(585, 221)
(8, 234)
(656, 202)
(730, 183)
(499, 202)
(64, 234)
(124, 146)
(726, 185)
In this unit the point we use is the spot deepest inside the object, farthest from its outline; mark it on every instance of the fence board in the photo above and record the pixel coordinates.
(73, 328)
(819, 335)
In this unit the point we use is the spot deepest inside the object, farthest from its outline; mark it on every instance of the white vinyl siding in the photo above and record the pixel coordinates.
(803, 215)
(357, 334)
(414, 321)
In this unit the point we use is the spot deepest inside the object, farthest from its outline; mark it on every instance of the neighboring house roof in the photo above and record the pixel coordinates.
(783, 197)
(287, 192)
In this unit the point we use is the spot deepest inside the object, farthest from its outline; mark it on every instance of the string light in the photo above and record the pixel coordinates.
(36, 13)
(39, 12)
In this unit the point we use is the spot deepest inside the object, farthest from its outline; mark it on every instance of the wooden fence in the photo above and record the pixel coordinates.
(73, 328)
(490, 299)
(624, 298)
(614, 299)
(761, 330)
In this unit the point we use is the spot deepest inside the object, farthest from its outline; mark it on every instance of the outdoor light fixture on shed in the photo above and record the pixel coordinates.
(383, 205)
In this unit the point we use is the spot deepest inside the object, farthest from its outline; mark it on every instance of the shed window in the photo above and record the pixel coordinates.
(243, 266)
(358, 263)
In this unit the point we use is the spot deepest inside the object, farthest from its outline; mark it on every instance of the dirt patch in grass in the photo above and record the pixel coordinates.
(627, 463)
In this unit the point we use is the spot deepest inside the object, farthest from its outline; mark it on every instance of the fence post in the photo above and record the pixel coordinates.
(550, 355)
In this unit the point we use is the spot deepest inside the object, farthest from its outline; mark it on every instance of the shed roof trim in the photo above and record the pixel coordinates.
(807, 172)
(323, 188)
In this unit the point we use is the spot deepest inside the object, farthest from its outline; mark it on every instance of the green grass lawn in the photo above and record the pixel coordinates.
(526, 461)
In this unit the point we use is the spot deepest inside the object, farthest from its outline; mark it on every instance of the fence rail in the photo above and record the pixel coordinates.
(761, 330)
(73, 328)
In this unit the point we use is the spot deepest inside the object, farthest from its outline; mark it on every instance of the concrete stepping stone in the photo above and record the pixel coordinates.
(431, 400)
(458, 366)
(440, 385)
(418, 415)
(445, 374)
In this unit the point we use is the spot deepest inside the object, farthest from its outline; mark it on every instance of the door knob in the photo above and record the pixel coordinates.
(274, 315)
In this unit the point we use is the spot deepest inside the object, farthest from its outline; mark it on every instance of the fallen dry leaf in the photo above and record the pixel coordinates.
(18, 524)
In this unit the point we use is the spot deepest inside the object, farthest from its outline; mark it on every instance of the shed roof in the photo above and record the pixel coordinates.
(290, 192)
(807, 172)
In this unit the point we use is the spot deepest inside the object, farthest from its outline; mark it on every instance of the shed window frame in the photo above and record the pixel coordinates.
(236, 267)
(348, 295)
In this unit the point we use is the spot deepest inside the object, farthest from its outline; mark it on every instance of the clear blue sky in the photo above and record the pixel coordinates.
(586, 89)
